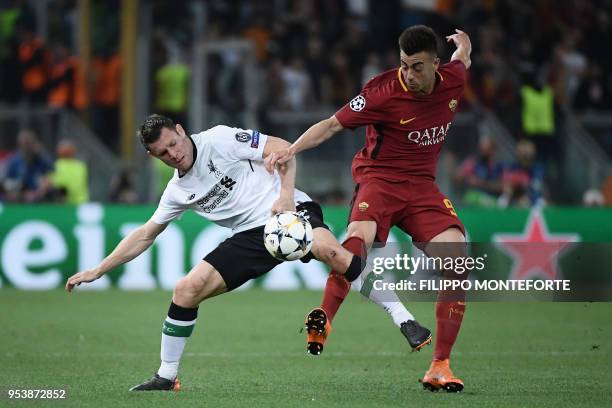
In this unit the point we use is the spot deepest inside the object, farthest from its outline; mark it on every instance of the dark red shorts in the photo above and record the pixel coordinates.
(417, 207)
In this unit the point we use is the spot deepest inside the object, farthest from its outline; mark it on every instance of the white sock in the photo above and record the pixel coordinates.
(398, 312)
(174, 337)
(391, 303)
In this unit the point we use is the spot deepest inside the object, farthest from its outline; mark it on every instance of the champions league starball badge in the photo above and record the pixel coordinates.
(243, 137)
(357, 103)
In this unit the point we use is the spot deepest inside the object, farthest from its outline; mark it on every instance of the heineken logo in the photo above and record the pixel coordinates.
(536, 250)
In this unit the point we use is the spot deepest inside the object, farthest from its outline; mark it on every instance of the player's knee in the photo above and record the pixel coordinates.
(457, 250)
(188, 290)
(181, 288)
(365, 231)
(449, 249)
(357, 233)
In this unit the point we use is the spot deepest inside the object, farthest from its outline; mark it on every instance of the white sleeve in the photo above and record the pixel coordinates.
(238, 144)
(167, 210)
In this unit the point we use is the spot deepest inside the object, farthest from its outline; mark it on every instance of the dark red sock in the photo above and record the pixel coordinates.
(337, 288)
(449, 314)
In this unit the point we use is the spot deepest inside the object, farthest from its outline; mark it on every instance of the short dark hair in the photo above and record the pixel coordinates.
(151, 129)
(418, 38)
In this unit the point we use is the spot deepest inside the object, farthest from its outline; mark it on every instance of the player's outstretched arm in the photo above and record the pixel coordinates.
(129, 248)
(464, 47)
(314, 136)
(286, 172)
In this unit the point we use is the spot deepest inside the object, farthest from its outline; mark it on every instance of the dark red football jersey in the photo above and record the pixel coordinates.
(405, 131)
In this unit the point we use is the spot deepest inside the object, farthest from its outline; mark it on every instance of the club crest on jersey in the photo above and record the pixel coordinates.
(212, 168)
(243, 137)
(363, 206)
(357, 103)
(452, 105)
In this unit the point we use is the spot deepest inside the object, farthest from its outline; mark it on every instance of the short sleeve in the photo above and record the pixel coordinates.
(364, 109)
(167, 210)
(238, 144)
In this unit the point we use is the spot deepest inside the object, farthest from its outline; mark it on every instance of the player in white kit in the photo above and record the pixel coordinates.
(220, 175)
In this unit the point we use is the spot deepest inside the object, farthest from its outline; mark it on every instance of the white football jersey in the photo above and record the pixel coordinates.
(228, 183)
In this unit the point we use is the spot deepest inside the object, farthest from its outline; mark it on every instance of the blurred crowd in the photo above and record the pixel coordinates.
(37, 71)
(532, 63)
(31, 174)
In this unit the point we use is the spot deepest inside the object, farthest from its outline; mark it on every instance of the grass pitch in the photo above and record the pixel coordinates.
(246, 350)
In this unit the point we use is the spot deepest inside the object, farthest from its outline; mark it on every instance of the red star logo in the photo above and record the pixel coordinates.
(535, 252)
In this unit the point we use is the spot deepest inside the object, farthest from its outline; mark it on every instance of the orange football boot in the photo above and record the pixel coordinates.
(439, 376)
(317, 328)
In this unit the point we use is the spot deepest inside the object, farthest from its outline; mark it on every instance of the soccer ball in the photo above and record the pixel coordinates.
(288, 236)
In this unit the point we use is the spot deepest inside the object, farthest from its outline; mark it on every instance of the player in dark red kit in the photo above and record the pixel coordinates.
(408, 113)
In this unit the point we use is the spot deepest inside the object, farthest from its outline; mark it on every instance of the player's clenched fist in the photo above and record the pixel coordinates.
(283, 204)
(278, 157)
(78, 278)
(464, 47)
(461, 39)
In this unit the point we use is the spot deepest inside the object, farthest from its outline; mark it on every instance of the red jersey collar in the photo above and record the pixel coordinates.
(403, 84)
